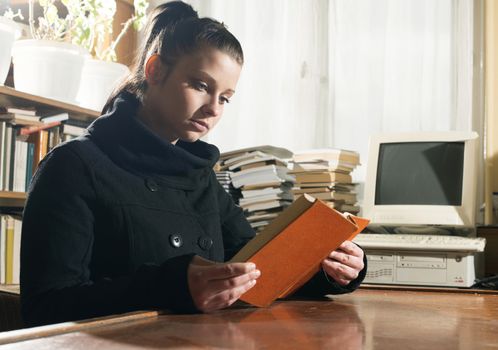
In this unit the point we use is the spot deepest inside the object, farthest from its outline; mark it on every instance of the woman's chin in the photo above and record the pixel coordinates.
(191, 137)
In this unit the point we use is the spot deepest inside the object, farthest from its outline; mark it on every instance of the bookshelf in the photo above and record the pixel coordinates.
(10, 199)
(10, 97)
(12, 203)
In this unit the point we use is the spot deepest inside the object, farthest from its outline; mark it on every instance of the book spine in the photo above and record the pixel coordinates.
(3, 258)
(40, 141)
(21, 154)
(16, 253)
(8, 156)
(29, 164)
(2, 152)
(12, 164)
(9, 251)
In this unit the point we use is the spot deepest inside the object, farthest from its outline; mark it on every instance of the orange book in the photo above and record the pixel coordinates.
(289, 251)
(40, 139)
(31, 129)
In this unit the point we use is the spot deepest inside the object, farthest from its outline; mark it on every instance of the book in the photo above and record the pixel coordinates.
(291, 248)
(323, 177)
(3, 127)
(3, 249)
(9, 251)
(322, 189)
(24, 111)
(59, 117)
(261, 175)
(276, 151)
(73, 130)
(262, 185)
(257, 162)
(245, 157)
(28, 130)
(20, 119)
(323, 166)
(40, 140)
(270, 204)
(268, 197)
(349, 208)
(266, 190)
(331, 185)
(347, 197)
(327, 154)
(16, 251)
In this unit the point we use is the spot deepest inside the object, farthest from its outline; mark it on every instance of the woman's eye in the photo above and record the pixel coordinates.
(199, 85)
(224, 100)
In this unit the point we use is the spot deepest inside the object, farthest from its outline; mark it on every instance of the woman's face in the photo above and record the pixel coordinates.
(190, 101)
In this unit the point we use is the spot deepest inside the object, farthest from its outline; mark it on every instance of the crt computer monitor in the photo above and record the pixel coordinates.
(422, 179)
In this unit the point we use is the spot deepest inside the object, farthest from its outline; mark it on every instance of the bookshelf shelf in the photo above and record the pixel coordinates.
(10, 199)
(10, 97)
(10, 289)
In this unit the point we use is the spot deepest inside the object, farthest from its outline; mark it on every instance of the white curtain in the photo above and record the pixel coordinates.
(324, 73)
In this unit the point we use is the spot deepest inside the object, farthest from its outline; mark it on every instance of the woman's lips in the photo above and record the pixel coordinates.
(200, 125)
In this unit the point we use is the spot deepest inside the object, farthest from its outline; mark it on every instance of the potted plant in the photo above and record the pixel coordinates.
(101, 72)
(50, 65)
(9, 32)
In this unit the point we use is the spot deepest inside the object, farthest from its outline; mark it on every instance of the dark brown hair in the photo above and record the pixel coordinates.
(173, 30)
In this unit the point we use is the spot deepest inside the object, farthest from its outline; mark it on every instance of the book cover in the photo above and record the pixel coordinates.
(291, 248)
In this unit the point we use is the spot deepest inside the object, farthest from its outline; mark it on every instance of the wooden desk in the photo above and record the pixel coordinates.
(366, 319)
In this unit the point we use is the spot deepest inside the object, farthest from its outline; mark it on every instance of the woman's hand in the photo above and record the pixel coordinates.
(345, 263)
(214, 286)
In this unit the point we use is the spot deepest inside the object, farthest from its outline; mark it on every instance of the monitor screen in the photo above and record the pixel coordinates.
(420, 173)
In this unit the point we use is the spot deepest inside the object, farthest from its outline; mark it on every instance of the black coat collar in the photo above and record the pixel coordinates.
(132, 146)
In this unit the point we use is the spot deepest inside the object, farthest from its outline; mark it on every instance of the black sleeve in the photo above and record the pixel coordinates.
(56, 250)
(321, 284)
(235, 228)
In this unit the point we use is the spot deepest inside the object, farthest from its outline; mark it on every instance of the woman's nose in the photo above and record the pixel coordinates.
(212, 107)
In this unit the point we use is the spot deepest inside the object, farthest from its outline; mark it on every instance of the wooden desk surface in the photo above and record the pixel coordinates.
(366, 319)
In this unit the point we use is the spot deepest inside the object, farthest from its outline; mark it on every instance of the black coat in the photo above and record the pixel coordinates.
(114, 217)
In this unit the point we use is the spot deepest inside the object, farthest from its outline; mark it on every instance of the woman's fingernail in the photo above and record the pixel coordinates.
(251, 266)
(255, 274)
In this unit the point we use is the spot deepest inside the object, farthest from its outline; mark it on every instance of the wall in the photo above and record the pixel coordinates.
(491, 105)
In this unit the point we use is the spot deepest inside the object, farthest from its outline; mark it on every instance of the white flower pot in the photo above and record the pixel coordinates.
(48, 68)
(9, 31)
(98, 81)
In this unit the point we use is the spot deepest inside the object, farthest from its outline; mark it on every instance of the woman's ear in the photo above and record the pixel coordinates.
(155, 71)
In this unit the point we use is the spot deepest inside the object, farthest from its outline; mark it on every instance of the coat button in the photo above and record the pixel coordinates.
(151, 185)
(176, 240)
(205, 242)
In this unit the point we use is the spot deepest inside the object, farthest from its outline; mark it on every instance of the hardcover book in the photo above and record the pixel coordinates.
(289, 251)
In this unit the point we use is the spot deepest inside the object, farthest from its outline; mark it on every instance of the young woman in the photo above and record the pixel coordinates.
(129, 215)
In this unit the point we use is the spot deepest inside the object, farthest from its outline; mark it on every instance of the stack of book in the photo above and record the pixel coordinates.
(25, 137)
(29, 116)
(10, 249)
(326, 174)
(261, 173)
(225, 179)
